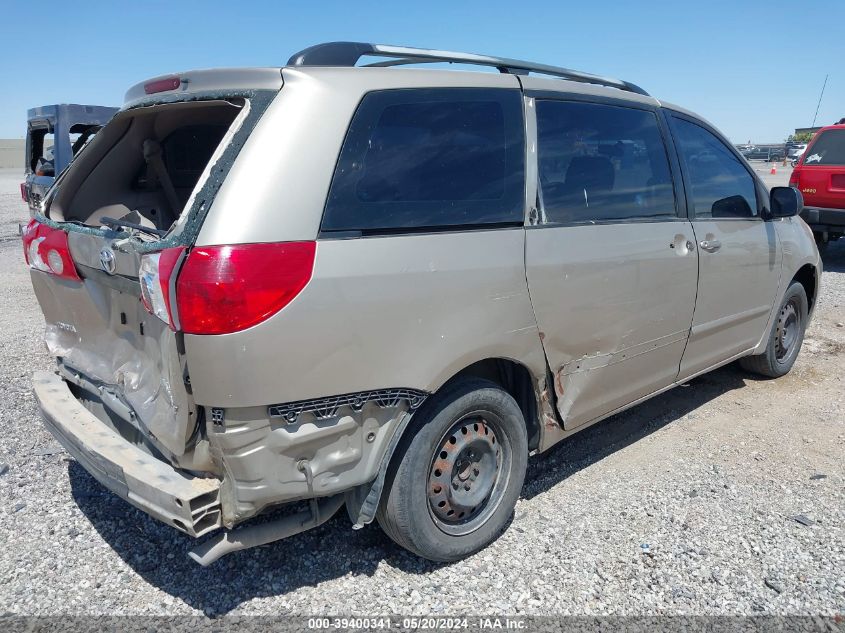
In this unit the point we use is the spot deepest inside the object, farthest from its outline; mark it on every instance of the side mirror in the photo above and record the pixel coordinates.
(785, 202)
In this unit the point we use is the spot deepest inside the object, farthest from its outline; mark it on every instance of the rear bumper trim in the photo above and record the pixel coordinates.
(191, 504)
(820, 216)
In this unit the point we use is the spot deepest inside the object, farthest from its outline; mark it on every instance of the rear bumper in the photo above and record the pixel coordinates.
(191, 504)
(821, 219)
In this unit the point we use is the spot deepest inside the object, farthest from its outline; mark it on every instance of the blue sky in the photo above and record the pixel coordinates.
(752, 68)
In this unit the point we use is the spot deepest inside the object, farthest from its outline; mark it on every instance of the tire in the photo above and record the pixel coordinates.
(821, 243)
(481, 431)
(785, 338)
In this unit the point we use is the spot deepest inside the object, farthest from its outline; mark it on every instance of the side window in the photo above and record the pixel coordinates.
(41, 152)
(430, 158)
(601, 163)
(721, 185)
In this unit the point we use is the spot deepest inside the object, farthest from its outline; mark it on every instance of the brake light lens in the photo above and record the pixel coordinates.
(46, 249)
(795, 178)
(224, 289)
(162, 85)
(154, 275)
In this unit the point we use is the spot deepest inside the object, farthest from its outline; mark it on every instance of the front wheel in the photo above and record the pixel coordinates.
(785, 338)
(458, 472)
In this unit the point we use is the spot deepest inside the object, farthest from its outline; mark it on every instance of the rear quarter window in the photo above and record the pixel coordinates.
(416, 159)
(827, 149)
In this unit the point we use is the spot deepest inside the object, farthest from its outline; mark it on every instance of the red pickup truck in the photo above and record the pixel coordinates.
(820, 176)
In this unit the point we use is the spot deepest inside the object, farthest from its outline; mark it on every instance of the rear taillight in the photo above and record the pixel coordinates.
(46, 249)
(795, 178)
(154, 276)
(24, 197)
(224, 289)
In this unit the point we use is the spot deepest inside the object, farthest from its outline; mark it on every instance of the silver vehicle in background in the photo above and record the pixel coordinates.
(54, 135)
(385, 288)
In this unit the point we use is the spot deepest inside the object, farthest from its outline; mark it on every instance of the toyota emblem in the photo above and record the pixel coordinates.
(107, 260)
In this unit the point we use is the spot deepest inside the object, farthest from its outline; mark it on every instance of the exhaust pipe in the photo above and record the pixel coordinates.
(224, 543)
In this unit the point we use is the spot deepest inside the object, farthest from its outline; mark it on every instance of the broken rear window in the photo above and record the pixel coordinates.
(145, 164)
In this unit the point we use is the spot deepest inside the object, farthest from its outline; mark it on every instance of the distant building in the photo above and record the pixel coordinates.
(813, 130)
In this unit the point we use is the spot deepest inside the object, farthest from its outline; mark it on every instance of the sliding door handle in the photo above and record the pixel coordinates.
(711, 246)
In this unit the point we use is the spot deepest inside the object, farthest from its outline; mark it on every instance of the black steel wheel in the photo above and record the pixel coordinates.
(468, 475)
(457, 473)
(785, 337)
(789, 329)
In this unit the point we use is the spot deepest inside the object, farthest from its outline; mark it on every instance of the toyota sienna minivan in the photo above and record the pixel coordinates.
(344, 282)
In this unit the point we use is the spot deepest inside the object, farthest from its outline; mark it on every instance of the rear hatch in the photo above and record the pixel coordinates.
(821, 176)
(140, 188)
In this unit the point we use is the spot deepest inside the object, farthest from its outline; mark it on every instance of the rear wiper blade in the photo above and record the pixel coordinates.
(111, 222)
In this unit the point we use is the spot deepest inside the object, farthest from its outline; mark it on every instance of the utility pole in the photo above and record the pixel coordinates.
(820, 101)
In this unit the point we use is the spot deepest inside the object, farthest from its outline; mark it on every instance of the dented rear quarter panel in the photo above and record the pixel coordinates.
(403, 311)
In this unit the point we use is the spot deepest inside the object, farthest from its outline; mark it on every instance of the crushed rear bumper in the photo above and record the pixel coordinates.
(191, 504)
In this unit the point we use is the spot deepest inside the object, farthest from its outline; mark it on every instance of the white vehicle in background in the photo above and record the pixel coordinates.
(796, 153)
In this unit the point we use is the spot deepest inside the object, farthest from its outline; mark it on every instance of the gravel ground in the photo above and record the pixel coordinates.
(684, 505)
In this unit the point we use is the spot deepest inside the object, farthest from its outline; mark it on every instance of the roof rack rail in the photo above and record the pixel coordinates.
(349, 53)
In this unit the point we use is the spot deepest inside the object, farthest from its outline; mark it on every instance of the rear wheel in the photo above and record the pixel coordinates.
(785, 338)
(458, 473)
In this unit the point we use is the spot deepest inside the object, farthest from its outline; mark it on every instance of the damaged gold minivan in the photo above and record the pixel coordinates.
(384, 288)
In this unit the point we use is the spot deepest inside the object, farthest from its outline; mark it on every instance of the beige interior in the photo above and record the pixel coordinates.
(112, 178)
